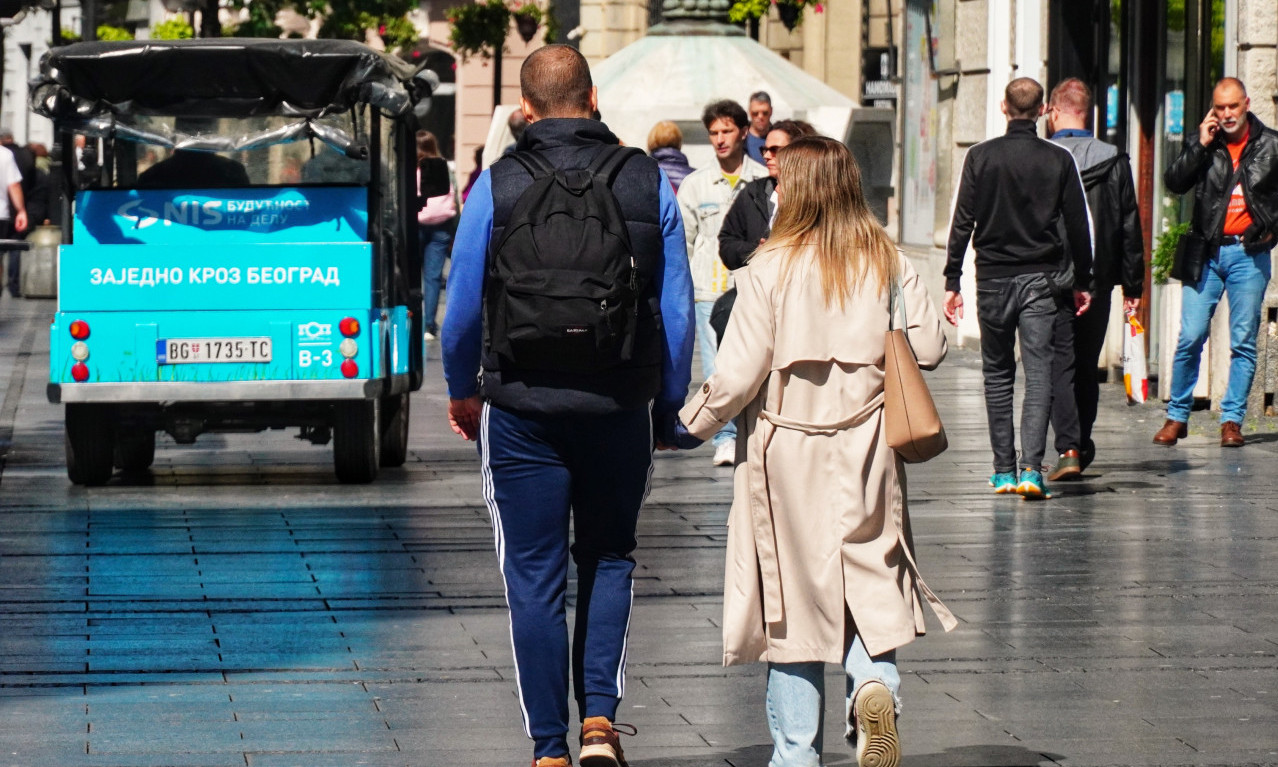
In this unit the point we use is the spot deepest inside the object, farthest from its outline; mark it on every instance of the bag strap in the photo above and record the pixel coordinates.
(607, 164)
(536, 165)
(896, 303)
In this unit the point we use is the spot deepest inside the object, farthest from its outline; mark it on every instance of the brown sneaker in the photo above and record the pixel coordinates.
(1231, 434)
(1171, 433)
(1067, 467)
(600, 746)
(552, 761)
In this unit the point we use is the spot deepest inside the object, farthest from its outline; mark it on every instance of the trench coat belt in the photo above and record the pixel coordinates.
(765, 539)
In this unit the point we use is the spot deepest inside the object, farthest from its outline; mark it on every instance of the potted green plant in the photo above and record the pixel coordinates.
(528, 17)
(1164, 254)
(479, 29)
(789, 11)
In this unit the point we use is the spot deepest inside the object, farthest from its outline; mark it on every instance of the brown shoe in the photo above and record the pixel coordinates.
(600, 746)
(552, 761)
(1231, 435)
(1067, 467)
(1171, 433)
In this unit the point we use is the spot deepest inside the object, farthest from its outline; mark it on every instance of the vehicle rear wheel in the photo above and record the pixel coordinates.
(356, 441)
(134, 448)
(395, 430)
(90, 443)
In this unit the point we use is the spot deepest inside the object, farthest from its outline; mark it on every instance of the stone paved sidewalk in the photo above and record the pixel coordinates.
(238, 607)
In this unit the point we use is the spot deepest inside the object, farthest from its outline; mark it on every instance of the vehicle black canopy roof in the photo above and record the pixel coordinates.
(220, 77)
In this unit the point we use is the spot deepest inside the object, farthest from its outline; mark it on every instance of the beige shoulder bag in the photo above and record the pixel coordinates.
(914, 428)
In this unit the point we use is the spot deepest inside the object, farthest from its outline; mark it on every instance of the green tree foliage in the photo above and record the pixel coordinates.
(109, 33)
(341, 19)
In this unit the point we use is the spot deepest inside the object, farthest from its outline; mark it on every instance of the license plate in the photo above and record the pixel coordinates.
(177, 351)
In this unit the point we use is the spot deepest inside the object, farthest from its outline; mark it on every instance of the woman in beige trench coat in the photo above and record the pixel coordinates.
(820, 566)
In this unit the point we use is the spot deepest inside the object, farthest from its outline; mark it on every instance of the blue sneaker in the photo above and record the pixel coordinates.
(1032, 486)
(1003, 482)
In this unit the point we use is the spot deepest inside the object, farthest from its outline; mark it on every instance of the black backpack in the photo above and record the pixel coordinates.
(563, 287)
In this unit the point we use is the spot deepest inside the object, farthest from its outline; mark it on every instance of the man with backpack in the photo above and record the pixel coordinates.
(1117, 259)
(567, 346)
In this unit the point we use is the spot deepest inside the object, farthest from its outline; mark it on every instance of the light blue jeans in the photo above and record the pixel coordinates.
(436, 242)
(1243, 276)
(708, 345)
(796, 702)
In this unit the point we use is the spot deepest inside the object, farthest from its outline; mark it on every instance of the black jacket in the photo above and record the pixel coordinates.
(746, 222)
(1119, 257)
(573, 143)
(1207, 169)
(1014, 190)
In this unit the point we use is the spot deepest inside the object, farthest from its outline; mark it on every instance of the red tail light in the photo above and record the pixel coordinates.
(349, 327)
(349, 369)
(80, 372)
(79, 330)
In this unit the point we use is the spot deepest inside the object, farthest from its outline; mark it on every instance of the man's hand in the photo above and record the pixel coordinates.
(1082, 302)
(1208, 127)
(20, 221)
(463, 416)
(1131, 305)
(953, 307)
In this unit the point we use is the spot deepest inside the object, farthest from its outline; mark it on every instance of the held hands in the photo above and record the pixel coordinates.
(671, 434)
(463, 416)
(953, 307)
(1131, 306)
(1082, 302)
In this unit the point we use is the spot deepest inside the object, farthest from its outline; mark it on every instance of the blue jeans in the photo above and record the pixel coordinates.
(708, 344)
(1243, 276)
(796, 701)
(435, 241)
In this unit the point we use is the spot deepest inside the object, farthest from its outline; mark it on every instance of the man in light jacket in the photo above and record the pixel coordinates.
(704, 199)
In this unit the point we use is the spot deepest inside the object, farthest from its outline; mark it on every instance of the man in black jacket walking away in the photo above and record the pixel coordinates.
(1118, 259)
(1014, 191)
(1233, 169)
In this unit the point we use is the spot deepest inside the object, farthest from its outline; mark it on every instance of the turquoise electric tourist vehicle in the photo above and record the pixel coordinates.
(239, 246)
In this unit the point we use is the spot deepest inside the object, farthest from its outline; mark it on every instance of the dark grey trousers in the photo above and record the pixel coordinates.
(1008, 306)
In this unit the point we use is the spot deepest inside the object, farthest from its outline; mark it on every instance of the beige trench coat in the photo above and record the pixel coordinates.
(818, 527)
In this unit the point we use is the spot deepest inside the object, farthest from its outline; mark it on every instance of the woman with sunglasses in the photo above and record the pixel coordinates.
(820, 566)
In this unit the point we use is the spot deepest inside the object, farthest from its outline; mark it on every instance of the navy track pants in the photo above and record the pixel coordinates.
(538, 473)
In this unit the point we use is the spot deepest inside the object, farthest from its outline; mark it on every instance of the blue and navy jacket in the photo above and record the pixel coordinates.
(656, 234)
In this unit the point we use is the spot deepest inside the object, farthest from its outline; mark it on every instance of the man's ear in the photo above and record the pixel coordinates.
(527, 109)
(1041, 109)
(1002, 106)
(594, 99)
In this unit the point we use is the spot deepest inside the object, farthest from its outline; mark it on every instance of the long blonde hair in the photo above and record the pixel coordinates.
(823, 210)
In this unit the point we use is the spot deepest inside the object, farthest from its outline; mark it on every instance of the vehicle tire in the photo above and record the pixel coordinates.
(134, 448)
(395, 430)
(90, 443)
(356, 441)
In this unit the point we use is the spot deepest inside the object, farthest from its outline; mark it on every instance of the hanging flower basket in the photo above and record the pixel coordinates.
(528, 17)
(479, 29)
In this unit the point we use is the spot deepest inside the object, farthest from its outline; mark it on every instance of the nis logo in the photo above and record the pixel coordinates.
(190, 213)
(315, 331)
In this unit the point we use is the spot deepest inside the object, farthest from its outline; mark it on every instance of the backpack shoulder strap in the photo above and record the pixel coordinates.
(607, 164)
(536, 165)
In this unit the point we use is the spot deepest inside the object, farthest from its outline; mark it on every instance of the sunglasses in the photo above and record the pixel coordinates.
(772, 149)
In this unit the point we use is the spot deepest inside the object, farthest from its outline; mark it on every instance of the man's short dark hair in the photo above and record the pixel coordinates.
(761, 96)
(717, 110)
(555, 80)
(1023, 97)
(1234, 81)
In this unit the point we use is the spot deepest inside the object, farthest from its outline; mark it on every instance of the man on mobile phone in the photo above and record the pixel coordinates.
(1233, 170)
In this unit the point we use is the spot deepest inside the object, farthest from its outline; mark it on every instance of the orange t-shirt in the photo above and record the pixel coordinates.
(1237, 217)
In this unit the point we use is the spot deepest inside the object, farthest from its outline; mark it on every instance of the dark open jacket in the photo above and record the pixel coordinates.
(1207, 169)
(746, 222)
(1119, 254)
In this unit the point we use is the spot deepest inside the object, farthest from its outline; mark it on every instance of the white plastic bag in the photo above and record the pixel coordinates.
(1135, 377)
